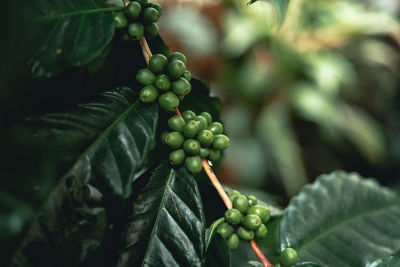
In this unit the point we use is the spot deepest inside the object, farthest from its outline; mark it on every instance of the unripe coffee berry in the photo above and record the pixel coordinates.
(215, 155)
(193, 164)
(191, 129)
(155, 6)
(187, 75)
(150, 15)
(191, 147)
(143, 3)
(174, 140)
(181, 86)
(136, 30)
(245, 234)
(233, 216)
(252, 200)
(168, 101)
(177, 157)
(205, 137)
(176, 123)
(145, 77)
(216, 128)
(233, 193)
(202, 122)
(120, 20)
(221, 141)
(157, 63)
(207, 116)
(225, 230)
(133, 9)
(162, 82)
(188, 115)
(176, 68)
(251, 221)
(241, 203)
(204, 152)
(288, 257)
(233, 241)
(151, 30)
(261, 232)
(148, 94)
(260, 211)
(177, 56)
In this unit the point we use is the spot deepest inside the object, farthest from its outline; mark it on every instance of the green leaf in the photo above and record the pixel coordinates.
(388, 261)
(342, 220)
(70, 33)
(218, 253)
(281, 7)
(167, 225)
(106, 143)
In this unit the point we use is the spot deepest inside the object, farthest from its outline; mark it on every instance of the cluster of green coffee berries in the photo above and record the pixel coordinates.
(165, 78)
(194, 137)
(140, 17)
(246, 220)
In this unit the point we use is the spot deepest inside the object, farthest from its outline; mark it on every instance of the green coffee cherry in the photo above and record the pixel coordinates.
(233, 242)
(151, 30)
(188, 115)
(133, 10)
(204, 152)
(177, 56)
(233, 193)
(168, 101)
(191, 147)
(191, 129)
(143, 3)
(150, 15)
(207, 116)
(221, 141)
(148, 94)
(205, 137)
(155, 6)
(215, 155)
(288, 257)
(244, 234)
(202, 122)
(233, 216)
(145, 77)
(157, 63)
(136, 30)
(163, 135)
(266, 218)
(252, 200)
(174, 140)
(177, 157)
(216, 128)
(176, 123)
(225, 230)
(120, 20)
(162, 82)
(176, 68)
(251, 221)
(181, 86)
(241, 203)
(187, 75)
(193, 164)
(260, 211)
(261, 232)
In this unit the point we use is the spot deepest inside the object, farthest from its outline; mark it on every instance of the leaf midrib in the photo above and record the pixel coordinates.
(319, 236)
(78, 12)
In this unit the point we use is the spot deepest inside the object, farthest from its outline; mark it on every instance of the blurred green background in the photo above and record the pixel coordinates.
(318, 93)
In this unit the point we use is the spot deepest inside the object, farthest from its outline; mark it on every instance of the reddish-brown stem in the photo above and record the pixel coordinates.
(259, 254)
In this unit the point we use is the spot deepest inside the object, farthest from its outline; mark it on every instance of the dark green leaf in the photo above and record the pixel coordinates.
(70, 33)
(388, 261)
(256, 264)
(167, 225)
(342, 220)
(218, 253)
(281, 7)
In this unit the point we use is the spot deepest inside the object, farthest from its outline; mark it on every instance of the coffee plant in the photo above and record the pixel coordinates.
(110, 163)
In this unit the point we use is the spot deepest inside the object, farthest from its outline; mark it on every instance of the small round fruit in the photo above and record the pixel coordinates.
(205, 137)
(191, 147)
(221, 141)
(177, 56)
(187, 75)
(150, 15)
(148, 94)
(233, 193)
(168, 101)
(191, 129)
(145, 77)
(260, 211)
(202, 122)
(177, 157)
(133, 10)
(204, 152)
(244, 234)
(163, 135)
(120, 20)
(225, 230)
(193, 164)
(157, 63)
(233, 242)
(176, 68)
(176, 123)
(215, 155)
(181, 86)
(241, 203)
(251, 221)
(216, 128)
(151, 30)
(188, 115)
(288, 257)
(252, 200)
(174, 140)
(136, 30)
(233, 216)
(143, 3)
(261, 232)
(207, 116)
(156, 6)
(162, 82)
